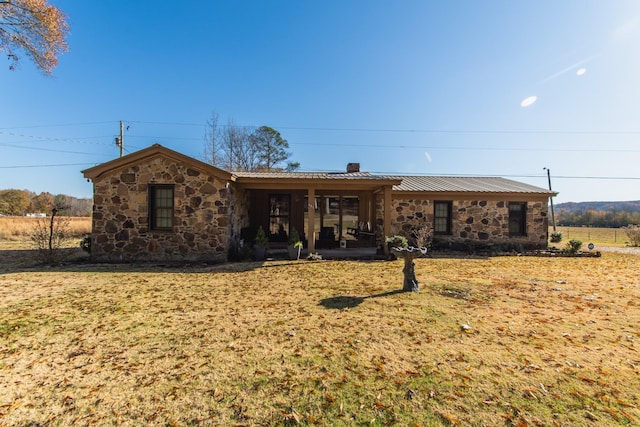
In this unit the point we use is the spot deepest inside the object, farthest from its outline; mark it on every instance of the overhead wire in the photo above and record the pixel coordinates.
(330, 129)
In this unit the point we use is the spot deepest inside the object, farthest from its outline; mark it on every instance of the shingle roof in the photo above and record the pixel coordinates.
(467, 184)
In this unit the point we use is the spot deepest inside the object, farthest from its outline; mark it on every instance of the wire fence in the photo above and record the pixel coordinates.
(593, 234)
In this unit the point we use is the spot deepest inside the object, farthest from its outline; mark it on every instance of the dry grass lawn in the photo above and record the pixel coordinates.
(511, 341)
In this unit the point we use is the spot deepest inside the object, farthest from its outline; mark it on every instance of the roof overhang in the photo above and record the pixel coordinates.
(317, 183)
(151, 153)
(472, 195)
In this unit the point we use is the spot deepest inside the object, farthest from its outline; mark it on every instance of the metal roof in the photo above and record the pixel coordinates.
(478, 184)
(401, 183)
(467, 184)
(310, 175)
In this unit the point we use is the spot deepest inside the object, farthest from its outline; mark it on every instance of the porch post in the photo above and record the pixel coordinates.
(387, 217)
(311, 228)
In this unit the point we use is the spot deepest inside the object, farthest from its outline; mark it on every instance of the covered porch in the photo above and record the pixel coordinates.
(329, 211)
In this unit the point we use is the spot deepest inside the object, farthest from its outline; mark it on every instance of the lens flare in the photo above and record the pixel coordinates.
(528, 101)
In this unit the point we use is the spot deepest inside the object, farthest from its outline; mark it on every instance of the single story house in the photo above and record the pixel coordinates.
(158, 204)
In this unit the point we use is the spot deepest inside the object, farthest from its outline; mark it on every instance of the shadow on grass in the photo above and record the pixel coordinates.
(342, 302)
(76, 260)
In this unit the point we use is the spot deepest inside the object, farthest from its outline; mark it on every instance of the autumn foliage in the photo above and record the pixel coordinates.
(35, 28)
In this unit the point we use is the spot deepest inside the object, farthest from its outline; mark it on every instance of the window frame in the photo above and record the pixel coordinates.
(448, 217)
(156, 212)
(279, 216)
(520, 219)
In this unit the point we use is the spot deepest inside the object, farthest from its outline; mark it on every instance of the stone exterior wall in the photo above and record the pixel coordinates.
(476, 222)
(201, 225)
(238, 215)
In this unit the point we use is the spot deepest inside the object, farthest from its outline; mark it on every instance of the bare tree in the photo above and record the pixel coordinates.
(49, 236)
(245, 153)
(241, 148)
(212, 141)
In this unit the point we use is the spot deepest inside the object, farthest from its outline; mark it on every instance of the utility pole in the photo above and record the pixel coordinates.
(553, 216)
(120, 139)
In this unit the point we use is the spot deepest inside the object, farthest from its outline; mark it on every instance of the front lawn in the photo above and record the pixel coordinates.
(520, 341)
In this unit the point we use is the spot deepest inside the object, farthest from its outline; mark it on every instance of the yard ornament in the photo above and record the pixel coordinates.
(409, 254)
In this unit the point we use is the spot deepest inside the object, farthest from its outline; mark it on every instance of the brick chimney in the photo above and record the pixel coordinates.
(353, 167)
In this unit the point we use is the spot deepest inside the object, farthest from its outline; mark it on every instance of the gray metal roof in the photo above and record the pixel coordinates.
(467, 184)
(309, 175)
(410, 183)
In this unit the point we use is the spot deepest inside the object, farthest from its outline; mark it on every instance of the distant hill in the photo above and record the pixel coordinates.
(581, 207)
(598, 214)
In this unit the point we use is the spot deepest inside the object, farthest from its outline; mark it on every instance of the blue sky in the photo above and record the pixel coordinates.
(402, 87)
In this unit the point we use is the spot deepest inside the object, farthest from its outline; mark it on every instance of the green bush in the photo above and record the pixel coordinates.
(556, 237)
(261, 238)
(397, 241)
(573, 246)
(294, 238)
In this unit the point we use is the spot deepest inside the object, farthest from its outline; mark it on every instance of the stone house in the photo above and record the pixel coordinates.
(158, 204)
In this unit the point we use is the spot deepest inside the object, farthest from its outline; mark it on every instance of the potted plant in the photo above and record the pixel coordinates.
(261, 245)
(295, 245)
(396, 241)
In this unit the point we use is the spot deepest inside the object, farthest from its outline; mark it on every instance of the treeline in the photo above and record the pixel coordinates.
(596, 218)
(24, 202)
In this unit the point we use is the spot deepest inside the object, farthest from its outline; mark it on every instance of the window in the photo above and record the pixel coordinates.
(517, 218)
(442, 217)
(161, 207)
(279, 217)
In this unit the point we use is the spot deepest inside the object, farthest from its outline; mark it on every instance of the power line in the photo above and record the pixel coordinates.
(469, 131)
(392, 130)
(508, 176)
(49, 139)
(429, 147)
(174, 123)
(58, 125)
(46, 166)
(46, 149)
(371, 130)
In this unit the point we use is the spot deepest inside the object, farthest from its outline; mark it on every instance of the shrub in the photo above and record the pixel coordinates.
(633, 233)
(573, 246)
(85, 244)
(261, 238)
(48, 237)
(397, 241)
(294, 238)
(556, 237)
(423, 236)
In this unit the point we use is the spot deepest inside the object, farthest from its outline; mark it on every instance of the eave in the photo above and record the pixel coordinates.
(472, 195)
(318, 184)
(149, 154)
